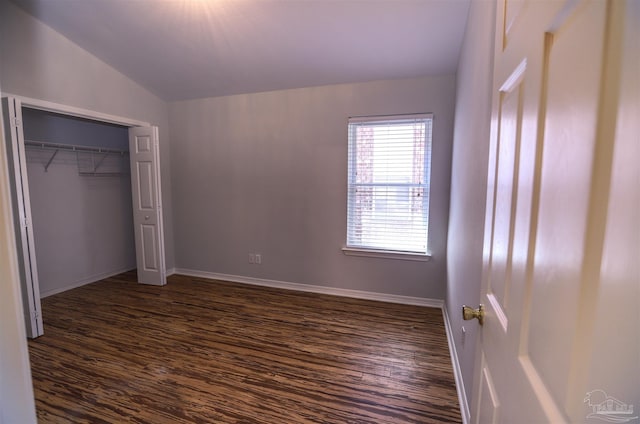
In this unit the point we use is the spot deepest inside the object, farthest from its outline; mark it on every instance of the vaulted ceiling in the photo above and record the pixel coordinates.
(183, 49)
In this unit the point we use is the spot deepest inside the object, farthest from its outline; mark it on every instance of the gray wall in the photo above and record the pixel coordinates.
(40, 63)
(83, 225)
(469, 179)
(266, 173)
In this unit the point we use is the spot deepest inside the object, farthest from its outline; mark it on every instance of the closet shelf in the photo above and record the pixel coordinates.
(72, 147)
(103, 152)
(102, 174)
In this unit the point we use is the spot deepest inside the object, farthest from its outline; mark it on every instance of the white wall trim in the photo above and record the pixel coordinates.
(386, 254)
(170, 271)
(457, 371)
(358, 294)
(76, 111)
(85, 281)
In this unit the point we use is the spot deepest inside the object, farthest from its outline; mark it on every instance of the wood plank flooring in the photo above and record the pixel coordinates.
(198, 351)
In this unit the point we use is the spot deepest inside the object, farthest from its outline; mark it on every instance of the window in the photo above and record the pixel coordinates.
(388, 188)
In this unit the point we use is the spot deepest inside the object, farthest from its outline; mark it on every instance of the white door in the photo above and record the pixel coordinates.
(561, 285)
(147, 205)
(22, 216)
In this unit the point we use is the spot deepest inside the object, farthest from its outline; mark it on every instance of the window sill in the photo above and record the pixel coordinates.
(386, 254)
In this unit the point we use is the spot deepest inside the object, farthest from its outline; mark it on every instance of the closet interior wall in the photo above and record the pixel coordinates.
(80, 201)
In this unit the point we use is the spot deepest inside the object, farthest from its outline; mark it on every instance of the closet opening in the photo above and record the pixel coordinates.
(81, 204)
(86, 199)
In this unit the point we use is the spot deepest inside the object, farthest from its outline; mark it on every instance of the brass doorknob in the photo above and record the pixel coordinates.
(470, 313)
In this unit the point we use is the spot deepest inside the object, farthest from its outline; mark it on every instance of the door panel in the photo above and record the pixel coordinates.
(149, 243)
(145, 194)
(573, 73)
(147, 214)
(509, 125)
(619, 293)
(488, 410)
(512, 9)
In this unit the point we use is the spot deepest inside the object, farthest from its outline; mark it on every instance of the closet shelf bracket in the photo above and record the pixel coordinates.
(97, 165)
(95, 156)
(46, 167)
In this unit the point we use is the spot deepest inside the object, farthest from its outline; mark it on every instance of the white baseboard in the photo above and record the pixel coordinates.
(358, 294)
(84, 281)
(170, 271)
(457, 371)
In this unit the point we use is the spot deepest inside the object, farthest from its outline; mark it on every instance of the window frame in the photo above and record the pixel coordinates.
(358, 250)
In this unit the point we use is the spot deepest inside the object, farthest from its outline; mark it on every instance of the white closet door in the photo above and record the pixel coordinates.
(22, 211)
(147, 205)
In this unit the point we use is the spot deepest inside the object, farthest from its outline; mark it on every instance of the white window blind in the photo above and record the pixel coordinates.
(388, 188)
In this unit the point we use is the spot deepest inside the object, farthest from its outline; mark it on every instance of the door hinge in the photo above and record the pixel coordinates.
(16, 122)
(36, 315)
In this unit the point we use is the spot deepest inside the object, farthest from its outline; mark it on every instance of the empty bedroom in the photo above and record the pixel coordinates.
(310, 211)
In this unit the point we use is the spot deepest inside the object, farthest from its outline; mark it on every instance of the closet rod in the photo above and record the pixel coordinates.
(72, 147)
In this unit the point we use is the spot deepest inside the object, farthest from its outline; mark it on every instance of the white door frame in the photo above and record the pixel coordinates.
(79, 113)
(16, 388)
(76, 111)
(22, 215)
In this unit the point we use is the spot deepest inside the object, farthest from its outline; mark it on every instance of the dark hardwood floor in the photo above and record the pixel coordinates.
(197, 351)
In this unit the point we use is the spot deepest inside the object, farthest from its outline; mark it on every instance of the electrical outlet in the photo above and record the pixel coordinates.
(252, 258)
(258, 258)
